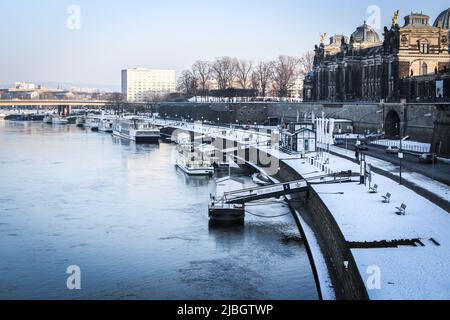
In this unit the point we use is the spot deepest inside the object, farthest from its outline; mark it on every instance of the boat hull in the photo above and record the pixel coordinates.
(226, 216)
(60, 121)
(147, 140)
(196, 172)
(138, 140)
(47, 120)
(106, 130)
(80, 122)
(106, 126)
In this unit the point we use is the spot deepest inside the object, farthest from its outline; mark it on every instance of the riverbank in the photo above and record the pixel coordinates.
(325, 243)
(370, 226)
(367, 225)
(327, 246)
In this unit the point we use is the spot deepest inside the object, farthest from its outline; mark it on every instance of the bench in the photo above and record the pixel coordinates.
(373, 189)
(401, 211)
(387, 198)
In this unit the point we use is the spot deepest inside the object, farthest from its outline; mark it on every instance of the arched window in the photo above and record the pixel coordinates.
(424, 68)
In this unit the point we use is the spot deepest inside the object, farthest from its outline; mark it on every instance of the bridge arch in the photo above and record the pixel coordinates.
(392, 124)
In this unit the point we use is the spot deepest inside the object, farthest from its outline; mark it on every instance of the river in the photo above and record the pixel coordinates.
(135, 225)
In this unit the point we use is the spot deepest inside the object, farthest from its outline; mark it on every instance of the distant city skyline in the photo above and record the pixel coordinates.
(42, 43)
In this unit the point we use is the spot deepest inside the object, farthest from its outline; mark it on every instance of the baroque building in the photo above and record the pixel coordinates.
(407, 61)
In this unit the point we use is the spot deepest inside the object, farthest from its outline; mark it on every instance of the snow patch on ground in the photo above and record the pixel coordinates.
(436, 187)
(407, 273)
(326, 285)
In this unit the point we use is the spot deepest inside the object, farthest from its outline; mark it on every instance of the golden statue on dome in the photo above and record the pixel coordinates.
(395, 18)
(322, 38)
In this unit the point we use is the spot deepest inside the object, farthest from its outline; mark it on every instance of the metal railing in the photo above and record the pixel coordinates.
(406, 145)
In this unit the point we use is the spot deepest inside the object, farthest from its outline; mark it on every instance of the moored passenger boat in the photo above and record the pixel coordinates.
(48, 119)
(59, 120)
(194, 162)
(221, 212)
(92, 123)
(106, 123)
(80, 121)
(137, 130)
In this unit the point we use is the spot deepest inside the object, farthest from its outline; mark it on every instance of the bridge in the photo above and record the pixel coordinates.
(68, 103)
(53, 103)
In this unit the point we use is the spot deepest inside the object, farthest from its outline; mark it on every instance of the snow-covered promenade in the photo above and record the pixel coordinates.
(398, 256)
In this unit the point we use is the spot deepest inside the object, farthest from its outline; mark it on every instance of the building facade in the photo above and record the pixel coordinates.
(140, 84)
(299, 138)
(366, 68)
(24, 86)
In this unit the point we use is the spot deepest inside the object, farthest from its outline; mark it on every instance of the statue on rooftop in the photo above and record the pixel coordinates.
(322, 38)
(395, 18)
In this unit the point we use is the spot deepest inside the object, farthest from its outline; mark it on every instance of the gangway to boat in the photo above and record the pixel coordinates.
(266, 192)
(280, 189)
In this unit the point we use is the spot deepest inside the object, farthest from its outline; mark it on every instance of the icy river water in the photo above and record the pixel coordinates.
(135, 225)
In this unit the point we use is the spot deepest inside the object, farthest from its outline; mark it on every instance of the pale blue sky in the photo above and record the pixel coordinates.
(37, 46)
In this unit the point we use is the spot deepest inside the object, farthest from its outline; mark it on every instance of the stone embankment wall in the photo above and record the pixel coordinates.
(365, 116)
(346, 280)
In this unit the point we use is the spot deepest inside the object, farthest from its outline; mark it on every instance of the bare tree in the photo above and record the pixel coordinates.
(254, 79)
(306, 62)
(285, 74)
(264, 73)
(224, 71)
(243, 71)
(116, 102)
(202, 72)
(187, 83)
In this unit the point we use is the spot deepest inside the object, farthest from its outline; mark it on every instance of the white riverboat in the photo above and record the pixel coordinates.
(2, 116)
(193, 161)
(80, 121)
(48, 119)
(92, 123)
(106, 125)
(221, 212)
(59, 120)
(137, 130)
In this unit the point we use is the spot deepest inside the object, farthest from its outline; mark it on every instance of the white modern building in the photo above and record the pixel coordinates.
(24, 86)
(140, 84)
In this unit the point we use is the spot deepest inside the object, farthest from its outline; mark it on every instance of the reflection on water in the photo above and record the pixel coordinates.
(136, 226)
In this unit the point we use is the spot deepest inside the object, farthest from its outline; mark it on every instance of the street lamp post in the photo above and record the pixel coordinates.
(367, 115)
(336, 113)
(285, 113)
